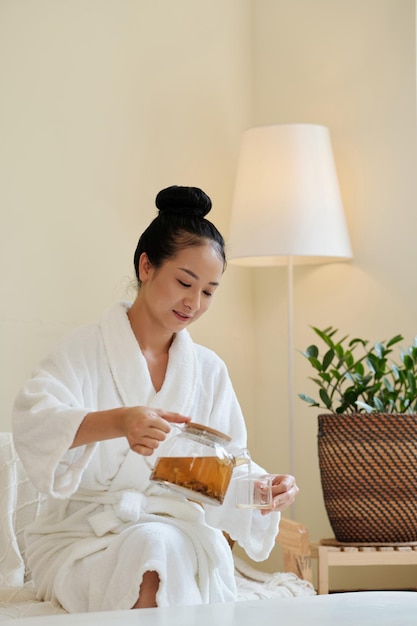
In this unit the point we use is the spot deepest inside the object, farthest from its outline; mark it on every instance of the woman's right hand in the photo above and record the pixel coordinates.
(145, 427)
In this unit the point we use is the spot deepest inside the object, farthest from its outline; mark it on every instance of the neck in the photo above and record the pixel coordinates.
(150, 339)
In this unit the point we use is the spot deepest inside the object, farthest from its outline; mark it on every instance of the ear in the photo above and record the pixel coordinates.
(145, 267)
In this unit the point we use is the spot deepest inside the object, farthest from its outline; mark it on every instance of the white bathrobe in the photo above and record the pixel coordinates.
(105, 523)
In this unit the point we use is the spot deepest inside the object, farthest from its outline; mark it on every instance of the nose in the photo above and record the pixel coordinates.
(192, 301)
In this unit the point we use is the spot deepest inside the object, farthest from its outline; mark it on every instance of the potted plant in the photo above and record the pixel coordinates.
(367, 441)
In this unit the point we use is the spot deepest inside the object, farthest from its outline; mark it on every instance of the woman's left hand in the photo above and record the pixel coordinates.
(284, 492)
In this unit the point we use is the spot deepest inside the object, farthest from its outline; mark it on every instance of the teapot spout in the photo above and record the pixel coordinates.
(242, 458)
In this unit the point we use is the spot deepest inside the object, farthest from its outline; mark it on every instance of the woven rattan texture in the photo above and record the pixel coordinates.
(368, 467)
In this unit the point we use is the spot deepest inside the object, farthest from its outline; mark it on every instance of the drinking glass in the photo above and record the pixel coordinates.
(254, 492)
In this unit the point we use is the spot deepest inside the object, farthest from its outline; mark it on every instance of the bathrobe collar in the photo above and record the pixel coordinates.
(130, 370)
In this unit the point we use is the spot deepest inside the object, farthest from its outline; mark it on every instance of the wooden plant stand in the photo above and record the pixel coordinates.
(330, 553)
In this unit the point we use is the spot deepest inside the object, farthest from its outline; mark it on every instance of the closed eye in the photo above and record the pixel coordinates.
(209, 294)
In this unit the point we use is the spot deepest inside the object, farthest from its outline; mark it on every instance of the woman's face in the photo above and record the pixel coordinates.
(181, 290)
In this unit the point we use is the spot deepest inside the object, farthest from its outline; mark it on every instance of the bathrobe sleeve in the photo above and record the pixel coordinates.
(254, 532)
(50, 408)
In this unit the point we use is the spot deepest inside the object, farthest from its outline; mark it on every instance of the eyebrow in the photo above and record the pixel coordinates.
(190, 273)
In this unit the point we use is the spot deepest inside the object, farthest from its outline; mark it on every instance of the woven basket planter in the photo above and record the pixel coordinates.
(368, 468)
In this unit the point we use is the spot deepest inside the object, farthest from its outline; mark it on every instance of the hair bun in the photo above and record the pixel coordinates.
(177, 200)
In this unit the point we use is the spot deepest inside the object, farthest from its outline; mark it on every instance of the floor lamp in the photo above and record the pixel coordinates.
(287, 209)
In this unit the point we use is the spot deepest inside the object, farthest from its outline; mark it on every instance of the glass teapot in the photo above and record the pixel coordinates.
(196, 463)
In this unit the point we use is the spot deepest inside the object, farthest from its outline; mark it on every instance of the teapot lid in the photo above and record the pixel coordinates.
(212, 434)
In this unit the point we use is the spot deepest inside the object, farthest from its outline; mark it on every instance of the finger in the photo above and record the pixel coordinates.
(158, 430)
(280, 489)
(145, 445)
(175, 418)
(281, 484)
(157, 422)
(283, 500)
(142, 450)
(277, 505)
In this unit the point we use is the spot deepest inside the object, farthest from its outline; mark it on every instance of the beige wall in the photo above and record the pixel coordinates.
(350, 65)
(104, 102)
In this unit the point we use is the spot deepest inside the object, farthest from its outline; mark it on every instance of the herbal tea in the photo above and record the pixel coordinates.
(208, 476)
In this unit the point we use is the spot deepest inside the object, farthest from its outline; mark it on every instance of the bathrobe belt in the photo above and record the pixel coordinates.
(128, 506)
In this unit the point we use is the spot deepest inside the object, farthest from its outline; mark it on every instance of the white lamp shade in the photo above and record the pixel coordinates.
(287, 201)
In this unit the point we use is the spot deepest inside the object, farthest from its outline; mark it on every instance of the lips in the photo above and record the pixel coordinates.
(182, 316)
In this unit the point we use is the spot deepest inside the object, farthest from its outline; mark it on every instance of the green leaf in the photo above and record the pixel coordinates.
(349, 360)
(325, 398)
(326, 335)
(317, 381)
(379, 349)
(395, 372)
(335, 373)
(375, 364)
(302, 396)
(411, 383)
(371, 364)
(379, 405)
(351, 395)
(395, 340)
(315, 363)
(326, 377)
(366, 407)
(388, 384)
(328, 358)
(359, 369)
(312, 351)
(356, 341)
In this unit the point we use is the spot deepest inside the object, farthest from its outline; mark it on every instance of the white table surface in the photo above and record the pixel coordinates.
(370, 608)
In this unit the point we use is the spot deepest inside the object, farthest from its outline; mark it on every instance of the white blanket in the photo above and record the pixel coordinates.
(105, 524)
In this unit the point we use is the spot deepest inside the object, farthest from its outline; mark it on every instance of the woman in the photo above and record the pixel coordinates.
(90, 421)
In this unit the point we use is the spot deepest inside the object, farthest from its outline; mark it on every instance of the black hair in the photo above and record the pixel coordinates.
(180, 224)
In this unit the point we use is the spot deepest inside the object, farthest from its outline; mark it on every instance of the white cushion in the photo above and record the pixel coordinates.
(20, 502)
